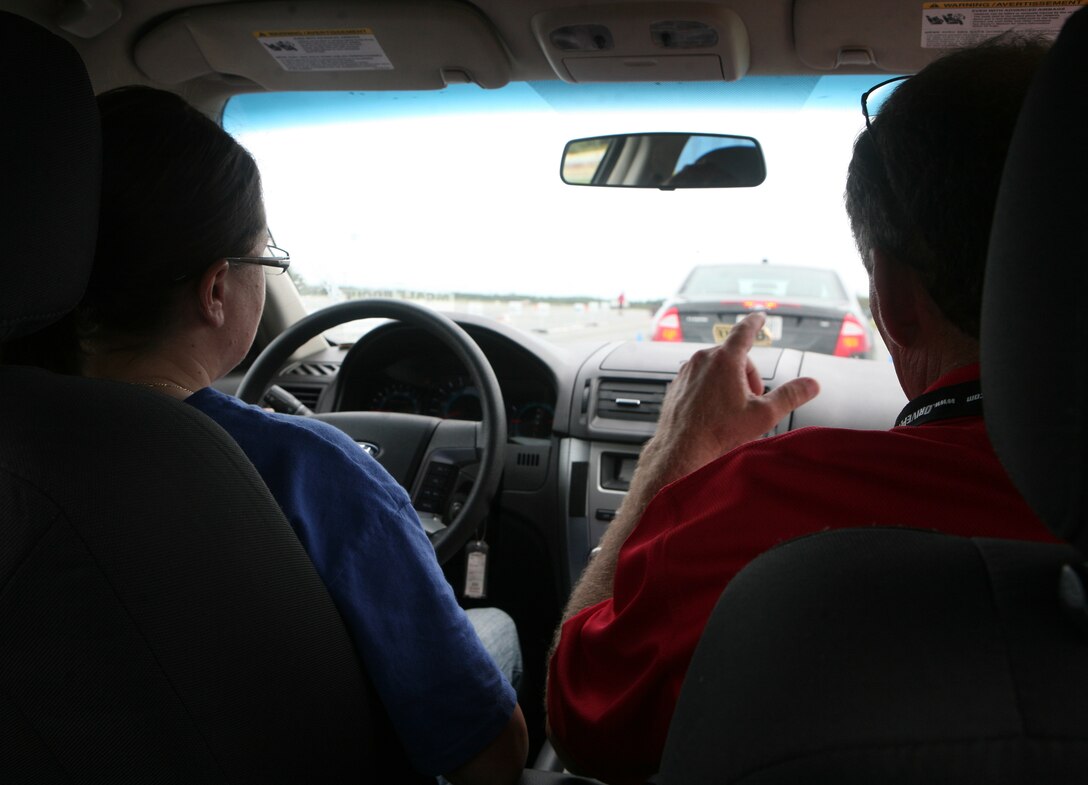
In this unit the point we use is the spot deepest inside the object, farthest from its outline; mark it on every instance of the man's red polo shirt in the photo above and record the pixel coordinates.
(616, 674)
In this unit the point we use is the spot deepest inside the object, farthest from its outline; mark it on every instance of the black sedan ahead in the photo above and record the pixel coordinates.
(807, 308)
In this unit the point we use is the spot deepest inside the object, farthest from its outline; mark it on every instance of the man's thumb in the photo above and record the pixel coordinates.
(793, 393)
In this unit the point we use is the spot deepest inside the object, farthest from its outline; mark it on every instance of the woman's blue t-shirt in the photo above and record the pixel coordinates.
(445, 696)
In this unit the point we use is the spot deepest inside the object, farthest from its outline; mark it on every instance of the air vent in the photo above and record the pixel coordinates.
(313, 369)
(621, 399)
(306, 393)
(528, 459)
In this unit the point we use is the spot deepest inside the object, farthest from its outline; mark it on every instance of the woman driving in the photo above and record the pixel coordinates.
(173, 305)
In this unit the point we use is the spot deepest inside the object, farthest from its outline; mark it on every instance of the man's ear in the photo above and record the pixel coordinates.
(899, 295)
(212, 292)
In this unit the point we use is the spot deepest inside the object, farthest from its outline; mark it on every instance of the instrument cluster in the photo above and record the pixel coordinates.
(409, 372)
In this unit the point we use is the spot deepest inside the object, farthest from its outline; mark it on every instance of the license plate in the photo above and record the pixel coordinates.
(771, 331)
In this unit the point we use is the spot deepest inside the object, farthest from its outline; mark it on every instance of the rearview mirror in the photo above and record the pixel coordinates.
(665, 161)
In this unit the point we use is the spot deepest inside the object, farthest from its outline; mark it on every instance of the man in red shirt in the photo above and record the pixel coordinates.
(709, 495)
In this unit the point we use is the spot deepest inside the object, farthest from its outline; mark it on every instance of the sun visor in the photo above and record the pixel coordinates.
(328, 46)
(644, 42)
(832, 34)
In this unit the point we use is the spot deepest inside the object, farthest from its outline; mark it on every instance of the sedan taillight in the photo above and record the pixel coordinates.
(853, 338)
(667, 327)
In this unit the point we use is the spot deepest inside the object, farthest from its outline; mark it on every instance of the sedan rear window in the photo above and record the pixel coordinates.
(763, 281)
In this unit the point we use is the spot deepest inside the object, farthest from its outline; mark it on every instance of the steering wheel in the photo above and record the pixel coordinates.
(429, 456)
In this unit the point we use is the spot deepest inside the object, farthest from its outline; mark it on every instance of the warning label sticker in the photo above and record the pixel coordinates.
(325, 50)
(956, 25)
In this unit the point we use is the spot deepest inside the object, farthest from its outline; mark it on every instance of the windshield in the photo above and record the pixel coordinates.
(453, 198)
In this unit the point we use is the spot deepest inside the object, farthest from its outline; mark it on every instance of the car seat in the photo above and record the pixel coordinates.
(904, 656)
(159, 620)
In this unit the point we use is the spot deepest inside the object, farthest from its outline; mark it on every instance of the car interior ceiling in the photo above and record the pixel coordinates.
(201, 49)
(82, 471)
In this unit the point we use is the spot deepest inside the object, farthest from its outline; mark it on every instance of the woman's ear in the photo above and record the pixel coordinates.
(211, 292)
(899, 296)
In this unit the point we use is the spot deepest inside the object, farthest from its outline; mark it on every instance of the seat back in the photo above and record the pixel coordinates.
(1035, 357)
(887, 656)
(159, 619)
(901, 656)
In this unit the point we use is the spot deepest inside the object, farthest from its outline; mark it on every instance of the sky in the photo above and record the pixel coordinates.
(392, 197)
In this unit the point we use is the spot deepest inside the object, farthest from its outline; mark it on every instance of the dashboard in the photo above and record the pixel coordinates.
(577, 416)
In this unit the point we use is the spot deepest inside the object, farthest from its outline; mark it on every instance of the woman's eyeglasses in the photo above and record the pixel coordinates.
(275, 260)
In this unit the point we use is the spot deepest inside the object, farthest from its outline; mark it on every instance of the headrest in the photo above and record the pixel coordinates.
(1034, 318)
(51, 163)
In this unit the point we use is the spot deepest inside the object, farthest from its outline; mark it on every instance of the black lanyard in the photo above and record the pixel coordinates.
(959, 400)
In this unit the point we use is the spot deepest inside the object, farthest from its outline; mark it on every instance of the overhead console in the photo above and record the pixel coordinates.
(644, 42)
(391, 45)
